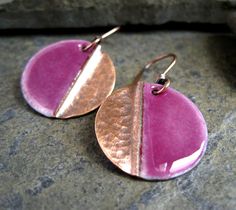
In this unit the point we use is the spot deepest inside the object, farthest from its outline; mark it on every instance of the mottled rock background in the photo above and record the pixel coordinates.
(90, 13)
(57, 164)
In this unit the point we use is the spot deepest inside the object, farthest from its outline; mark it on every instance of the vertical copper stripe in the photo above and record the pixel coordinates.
(95, 82)
(118, 127)
(73, 84)
(137, 127)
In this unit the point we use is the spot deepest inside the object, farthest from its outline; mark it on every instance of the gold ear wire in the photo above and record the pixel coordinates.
(162, 77)
(97, 40)
(159, 58)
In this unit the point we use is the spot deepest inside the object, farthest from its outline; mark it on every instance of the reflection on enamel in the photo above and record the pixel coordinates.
(162, 167)
(186, 161)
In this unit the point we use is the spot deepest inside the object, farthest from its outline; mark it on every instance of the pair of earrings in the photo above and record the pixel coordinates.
(148, 130)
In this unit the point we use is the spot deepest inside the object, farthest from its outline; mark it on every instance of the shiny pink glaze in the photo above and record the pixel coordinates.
(174, 134)
(50, 73)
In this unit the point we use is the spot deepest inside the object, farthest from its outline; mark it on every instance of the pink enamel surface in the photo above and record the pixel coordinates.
(50, 72)
(174, 134)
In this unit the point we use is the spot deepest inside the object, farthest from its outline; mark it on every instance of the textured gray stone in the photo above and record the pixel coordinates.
(55, 164)
(87, 13)
(232, 21)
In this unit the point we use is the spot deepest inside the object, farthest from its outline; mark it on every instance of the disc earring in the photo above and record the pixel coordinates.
(69, 78)
(150, 130)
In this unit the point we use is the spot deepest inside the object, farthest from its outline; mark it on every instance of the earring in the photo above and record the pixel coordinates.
(69, 78)
(151, 130)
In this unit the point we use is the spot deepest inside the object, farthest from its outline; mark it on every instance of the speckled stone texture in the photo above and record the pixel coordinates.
(87, 13)
(232, 20)
(55, 164)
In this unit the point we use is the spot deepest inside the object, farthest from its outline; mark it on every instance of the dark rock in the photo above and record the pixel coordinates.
(44, 182)
(232, 21)
(8, 115)
(56, 164)
(87, 13)
(12, 201)
(16, 144)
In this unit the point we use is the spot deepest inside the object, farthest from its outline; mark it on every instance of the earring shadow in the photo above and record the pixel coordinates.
(223, 53)
(93, 150)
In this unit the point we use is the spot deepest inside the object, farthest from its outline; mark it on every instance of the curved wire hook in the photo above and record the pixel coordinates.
(162, 78)
(159, 58)
(97, 40)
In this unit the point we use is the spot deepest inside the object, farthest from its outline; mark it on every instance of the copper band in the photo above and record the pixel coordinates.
(118, 127)
(137, 102)
(91, 87)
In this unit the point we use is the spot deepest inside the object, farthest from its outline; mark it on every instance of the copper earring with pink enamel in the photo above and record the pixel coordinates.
(151, 130)
(69, 78)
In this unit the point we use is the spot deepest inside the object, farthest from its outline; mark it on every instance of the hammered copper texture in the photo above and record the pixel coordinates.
(118, 127)
(94, 90)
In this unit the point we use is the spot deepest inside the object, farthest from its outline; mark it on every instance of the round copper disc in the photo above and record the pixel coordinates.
(151, 136)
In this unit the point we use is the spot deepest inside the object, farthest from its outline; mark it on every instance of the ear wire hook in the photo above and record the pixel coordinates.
(162, 78)
(97, 40)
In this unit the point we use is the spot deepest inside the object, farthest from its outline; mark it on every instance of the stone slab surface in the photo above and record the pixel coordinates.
(90, 13)
(55, 164)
